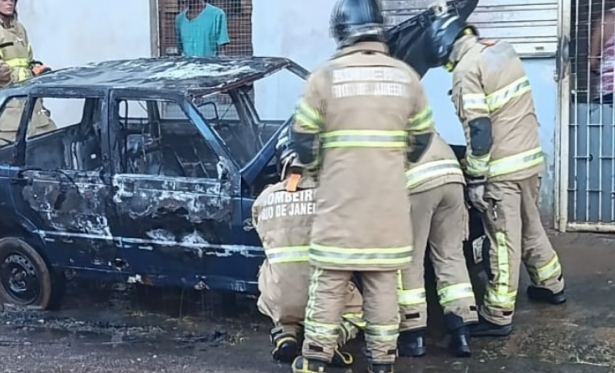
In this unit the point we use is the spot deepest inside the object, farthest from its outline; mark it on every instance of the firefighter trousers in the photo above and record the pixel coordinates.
(326, 304)
(513, 225)
(284, 295)
(439, 219)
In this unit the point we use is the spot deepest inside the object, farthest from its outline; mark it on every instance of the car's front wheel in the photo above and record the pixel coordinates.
(25, 278)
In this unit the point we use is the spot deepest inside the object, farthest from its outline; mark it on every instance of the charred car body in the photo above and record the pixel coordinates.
(153, 183)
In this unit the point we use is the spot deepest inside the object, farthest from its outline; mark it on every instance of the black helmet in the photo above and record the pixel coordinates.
(442, 33)
(353, 21)
(285, 154)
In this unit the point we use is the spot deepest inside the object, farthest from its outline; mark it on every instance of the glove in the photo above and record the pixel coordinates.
(476, 193)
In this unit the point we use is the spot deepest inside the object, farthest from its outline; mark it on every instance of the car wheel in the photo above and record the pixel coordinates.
(25, 278)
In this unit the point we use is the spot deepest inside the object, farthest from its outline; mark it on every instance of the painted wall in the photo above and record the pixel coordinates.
(67, 33)
(292, 29)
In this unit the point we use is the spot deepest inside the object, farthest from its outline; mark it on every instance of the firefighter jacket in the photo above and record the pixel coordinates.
(492, 96)
(15, 59)
(437, 167)
(353, 126)
(283, 219)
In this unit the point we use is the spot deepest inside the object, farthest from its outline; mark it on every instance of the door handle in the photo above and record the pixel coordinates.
(247, 225)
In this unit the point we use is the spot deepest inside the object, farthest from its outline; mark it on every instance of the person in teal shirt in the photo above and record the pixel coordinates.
(201, 29)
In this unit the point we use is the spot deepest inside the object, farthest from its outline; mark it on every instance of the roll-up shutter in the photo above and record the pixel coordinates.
(531, 26)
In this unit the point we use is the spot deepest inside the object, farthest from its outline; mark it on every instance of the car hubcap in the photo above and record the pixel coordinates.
(20, 279)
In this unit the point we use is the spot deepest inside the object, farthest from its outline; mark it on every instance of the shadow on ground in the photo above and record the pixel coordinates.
(115, 328)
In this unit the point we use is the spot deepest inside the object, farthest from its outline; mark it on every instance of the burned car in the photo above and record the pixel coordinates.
(151, 181)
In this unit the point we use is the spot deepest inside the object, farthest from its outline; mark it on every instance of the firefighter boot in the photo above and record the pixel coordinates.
(485, 328)
(380, 368)
(411, 343)
(460, 335)
(285, 347)
(545, 295)
(305, 365)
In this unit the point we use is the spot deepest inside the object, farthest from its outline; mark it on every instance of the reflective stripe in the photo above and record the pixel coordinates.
(546, 272)
(317, 330)
(307, 117)
(496, 100)
(475, 101)
(502, 96)
(287, 254)
(432, 170)
(18, 62)
(498, 294)
(454, 292)
(313, 288)
(411, 297)
(516, 162)
(477, 166)
(355, 319)
(421, 121)
(366, 256)
(364, 138)
(382, 332)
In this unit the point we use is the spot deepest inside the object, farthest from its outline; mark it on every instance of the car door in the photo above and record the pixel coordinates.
(59, 184)
(172, 190)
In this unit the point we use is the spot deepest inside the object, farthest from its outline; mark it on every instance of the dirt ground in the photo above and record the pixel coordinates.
(114, 329)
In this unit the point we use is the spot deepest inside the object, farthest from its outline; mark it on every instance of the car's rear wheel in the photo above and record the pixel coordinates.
(25, 278)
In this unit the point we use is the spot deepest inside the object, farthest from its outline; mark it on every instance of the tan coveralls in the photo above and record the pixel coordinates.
(439, 218)
(489, 81)
(15, 58)
(283, 220)
(362, 105)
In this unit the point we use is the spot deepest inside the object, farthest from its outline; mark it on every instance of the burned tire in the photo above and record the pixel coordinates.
(25, 278)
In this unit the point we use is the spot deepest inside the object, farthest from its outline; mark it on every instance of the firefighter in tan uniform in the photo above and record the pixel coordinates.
(353, 125)
(282, 216)
(492, 96)
(17, 64)
(439, 218)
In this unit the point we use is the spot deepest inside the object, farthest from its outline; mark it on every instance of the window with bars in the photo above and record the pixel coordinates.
(239, 22)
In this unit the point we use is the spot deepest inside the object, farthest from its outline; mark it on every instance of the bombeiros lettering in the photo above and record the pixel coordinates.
(282, 204)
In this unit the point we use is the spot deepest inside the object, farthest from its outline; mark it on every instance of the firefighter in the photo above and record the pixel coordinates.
(17, 64)
(491, 94)
(352, 129)
(282, 216)
(439, 218)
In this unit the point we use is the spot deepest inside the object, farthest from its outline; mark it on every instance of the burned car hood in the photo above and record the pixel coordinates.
(406, 41)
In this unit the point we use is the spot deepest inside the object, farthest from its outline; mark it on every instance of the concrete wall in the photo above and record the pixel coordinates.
(300, 32)
(74, 32)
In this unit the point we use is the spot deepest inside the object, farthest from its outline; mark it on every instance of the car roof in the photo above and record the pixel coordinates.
(190, 75)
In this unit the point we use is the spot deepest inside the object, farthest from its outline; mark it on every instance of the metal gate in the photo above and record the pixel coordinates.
(589, 139)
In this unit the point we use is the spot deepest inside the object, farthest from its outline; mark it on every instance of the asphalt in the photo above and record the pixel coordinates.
(110, 329)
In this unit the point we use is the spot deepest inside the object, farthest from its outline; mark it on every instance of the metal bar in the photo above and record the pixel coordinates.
(591, 227)
(154, 28)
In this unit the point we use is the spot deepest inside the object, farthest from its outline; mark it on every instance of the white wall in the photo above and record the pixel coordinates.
(67, 33)
(293, 29)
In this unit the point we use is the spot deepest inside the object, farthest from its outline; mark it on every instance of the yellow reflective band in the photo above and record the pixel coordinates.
(307, 118)
(477, 166)
(546, 272)
(502, 96)
(427, 171)
(454, 292)
(312, 289)
(498, 294)
(355, 319)
(316, 329)
(364, 139)
(421, 121)
(289, 254)
(382, 332)
(475, 101)
(366, 256)
(411, 297)
(516, 162)
(18, 62)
